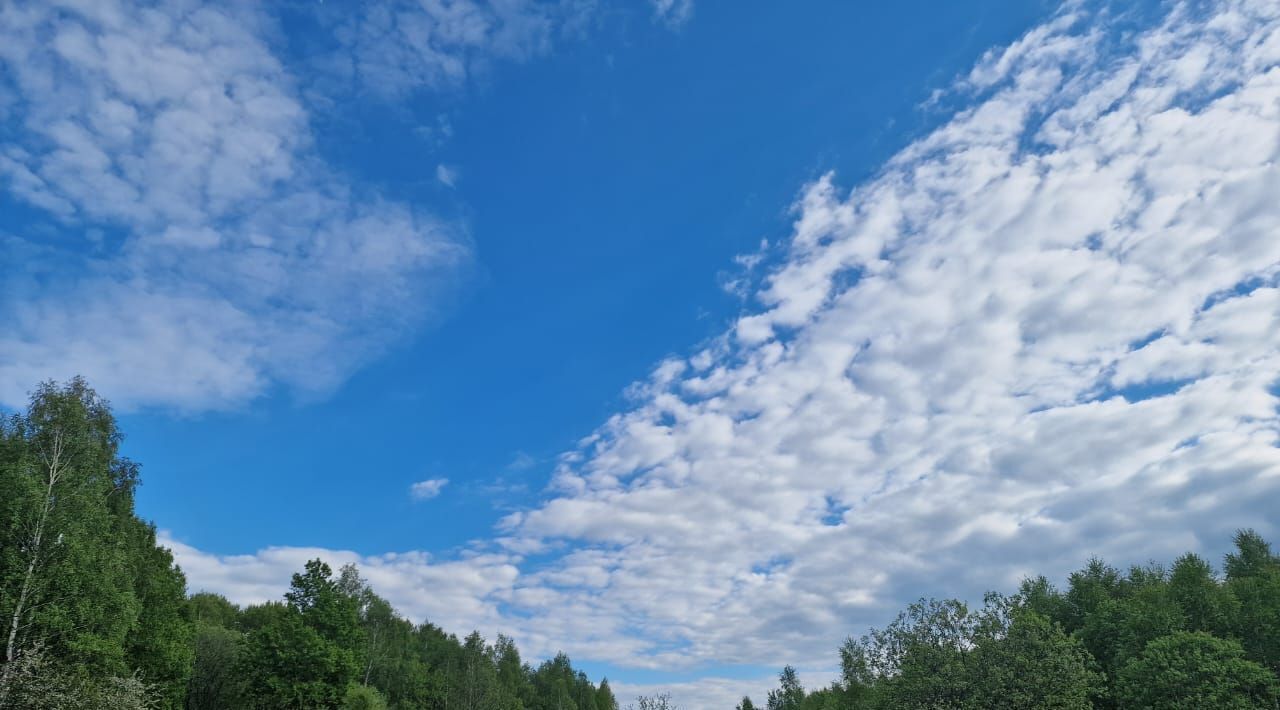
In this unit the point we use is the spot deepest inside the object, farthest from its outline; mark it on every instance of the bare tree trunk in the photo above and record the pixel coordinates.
(373, 648)
(54, 468)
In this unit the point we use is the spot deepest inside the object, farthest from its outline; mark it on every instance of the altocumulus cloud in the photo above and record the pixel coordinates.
(222, 255)
(1046, 330)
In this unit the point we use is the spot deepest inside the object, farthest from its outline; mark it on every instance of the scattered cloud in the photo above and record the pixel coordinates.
(428, 489)
(223, 257)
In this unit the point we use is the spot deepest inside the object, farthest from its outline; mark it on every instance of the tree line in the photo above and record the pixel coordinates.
(96, 615)
(1152, 637)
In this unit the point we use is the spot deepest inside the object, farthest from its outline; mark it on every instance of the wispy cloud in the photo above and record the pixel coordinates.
(446, 175)
(428, 489)
(522, 461)
(673, 13)
(396, 48)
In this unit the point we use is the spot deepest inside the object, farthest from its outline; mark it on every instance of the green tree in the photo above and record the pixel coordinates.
(1253, 579)
(919, 659)
(66, 573)
(159, 646)
(362, 697)
(1206, 604)
(1032, 665)
(604, 696)
(1087, 590)
(215, 683)
(305, 653)
(1194, 670)
(1252, 557)
(213, 609)
(83, 584)
(790, 694)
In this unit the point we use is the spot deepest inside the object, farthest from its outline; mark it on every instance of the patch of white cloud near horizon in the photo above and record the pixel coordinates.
(714, 693)
(463, 591)
(931, 399)
(428, 489)
(227, 259)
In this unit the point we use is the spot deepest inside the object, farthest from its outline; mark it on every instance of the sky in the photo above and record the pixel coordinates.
(685, 337)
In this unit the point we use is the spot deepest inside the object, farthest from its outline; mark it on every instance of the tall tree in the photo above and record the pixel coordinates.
(789, 694)
(81, 578)
(604, 696)
(307, 652)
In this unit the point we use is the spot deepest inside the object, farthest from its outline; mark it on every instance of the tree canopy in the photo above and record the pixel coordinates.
(96, 615)
(1184, 637)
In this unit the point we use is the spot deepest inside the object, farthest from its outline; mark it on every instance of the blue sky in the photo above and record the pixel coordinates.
(686, 337)
(606, 188)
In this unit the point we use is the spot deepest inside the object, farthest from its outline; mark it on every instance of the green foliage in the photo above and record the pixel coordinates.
(1145, 638)
(1194, 670)
(94, 615)
(1032, 664)
(362, 697)
(604, 696)
(306, 653)
(213, 609)
(790, 694)
(215, 682)
(82, 582)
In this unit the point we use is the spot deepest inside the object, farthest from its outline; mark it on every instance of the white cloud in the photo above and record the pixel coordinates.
(428, 489)
(673, 13)
(464, 592)
(1045, 331)
(951, 380)
(234, 260)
